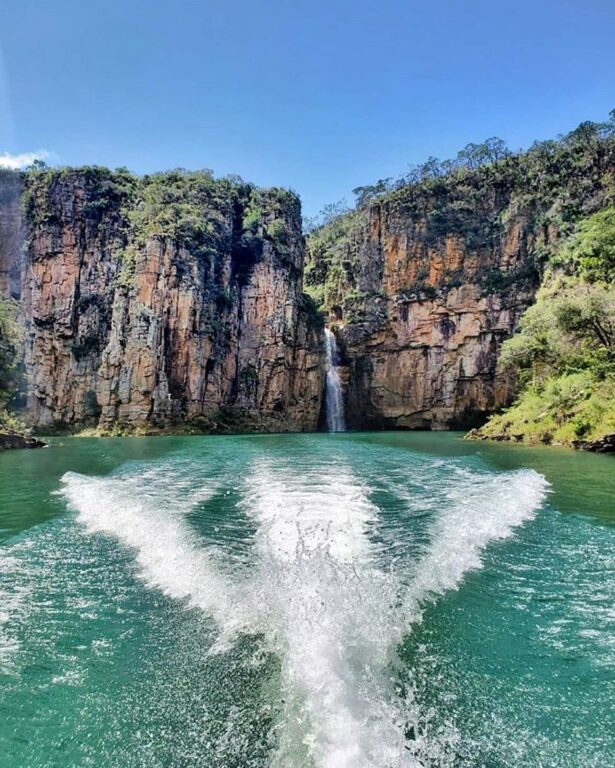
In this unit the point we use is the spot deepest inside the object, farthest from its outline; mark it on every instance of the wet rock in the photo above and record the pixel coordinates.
(604, 444)
(10, 439)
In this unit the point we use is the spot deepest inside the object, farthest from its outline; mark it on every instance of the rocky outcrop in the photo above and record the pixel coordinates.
(164, 300)
(421, 336)
(604, 444)
(9, 440)
(177, 299)
(424, 285)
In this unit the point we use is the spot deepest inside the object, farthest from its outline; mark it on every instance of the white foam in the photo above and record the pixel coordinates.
(14, 597)
(325, 606)
(146, 513)
(317, 589)
(478, 509)
(317, 512)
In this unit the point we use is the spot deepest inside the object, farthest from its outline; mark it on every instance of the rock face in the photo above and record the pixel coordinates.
(11, 233)
(605, 444)
(10, 440)
(424, 285)
(174, 298)
(421, 337)
(177, 298)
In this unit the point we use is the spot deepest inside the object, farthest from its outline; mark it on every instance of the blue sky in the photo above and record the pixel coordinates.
(319, 96)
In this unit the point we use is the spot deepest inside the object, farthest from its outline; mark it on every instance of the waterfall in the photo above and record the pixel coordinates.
(334, 405)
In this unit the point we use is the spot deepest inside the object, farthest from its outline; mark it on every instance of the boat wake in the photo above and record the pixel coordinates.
(316, 587)
(151, 522)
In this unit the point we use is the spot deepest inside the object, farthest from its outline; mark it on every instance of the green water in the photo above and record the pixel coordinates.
(395, 599)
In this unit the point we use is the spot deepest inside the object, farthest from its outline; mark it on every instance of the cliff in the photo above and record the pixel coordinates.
(176, 300)
(11, 233)
(161, 300)
(424, 283)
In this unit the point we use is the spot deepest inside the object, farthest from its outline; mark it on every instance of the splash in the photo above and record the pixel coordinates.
(14, 598)
(326, 608)
(316, 587)
(478, 509)
(146, 512)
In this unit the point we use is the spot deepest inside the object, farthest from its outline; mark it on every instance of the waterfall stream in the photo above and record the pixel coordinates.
(334, 402)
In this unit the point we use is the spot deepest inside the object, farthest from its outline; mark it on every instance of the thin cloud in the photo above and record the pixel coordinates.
(14, 162)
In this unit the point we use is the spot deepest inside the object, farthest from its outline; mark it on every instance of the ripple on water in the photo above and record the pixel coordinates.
(262, 610)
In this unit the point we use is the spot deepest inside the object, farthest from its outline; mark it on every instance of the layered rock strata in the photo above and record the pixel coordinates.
(424, 285)
(166, 300)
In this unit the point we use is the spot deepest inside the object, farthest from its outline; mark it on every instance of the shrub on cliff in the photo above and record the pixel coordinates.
(11, 336)
(190, 209)
(108, 192)
(564, 352)
(11, 339)
(592, 248)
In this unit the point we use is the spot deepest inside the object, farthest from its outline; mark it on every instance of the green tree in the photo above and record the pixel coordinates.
(593, 246)
(325, 216)
(570, 327)
(364, 195)
(11, 337)
(587, 315)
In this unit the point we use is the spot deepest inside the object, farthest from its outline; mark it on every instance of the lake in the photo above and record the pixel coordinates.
(326, 600)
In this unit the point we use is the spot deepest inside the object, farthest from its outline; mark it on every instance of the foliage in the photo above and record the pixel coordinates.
(314, 315)
(571, 327)
(564, 351)
(362, 306)
(366, 194)
(592, 248)
(496, 281)
(564, 408)
(326, 216)
(470, 158)
(128, 258)
(108, 192)
(11, 338)
(190, 209)
(328, 269)
(266, 216)
(10, 421)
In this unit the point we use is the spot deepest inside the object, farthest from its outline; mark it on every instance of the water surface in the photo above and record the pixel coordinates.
(392, 599)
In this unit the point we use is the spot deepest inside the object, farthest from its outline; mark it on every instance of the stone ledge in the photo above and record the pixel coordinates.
(10, 439)
(604, 444)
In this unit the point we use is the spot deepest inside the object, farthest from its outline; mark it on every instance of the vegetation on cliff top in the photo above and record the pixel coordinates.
(564, 352)
(555, 184)
(192, 210)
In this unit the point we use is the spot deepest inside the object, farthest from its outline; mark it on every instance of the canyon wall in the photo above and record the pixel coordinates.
(11, 233)
(159, 301)
(177, 299)
(423, 285)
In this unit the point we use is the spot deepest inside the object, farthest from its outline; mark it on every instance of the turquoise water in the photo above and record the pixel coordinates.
(394, 599)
